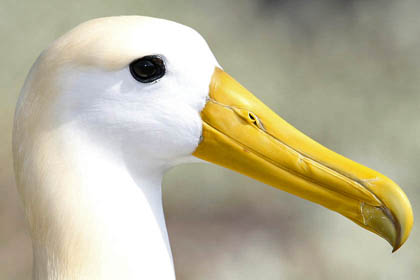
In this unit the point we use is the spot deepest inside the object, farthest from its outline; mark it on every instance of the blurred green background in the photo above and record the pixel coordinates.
(345, 72)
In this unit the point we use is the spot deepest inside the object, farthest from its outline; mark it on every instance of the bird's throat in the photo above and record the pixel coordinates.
(91, 215)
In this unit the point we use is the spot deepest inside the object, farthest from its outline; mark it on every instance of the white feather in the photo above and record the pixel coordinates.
(91, 145)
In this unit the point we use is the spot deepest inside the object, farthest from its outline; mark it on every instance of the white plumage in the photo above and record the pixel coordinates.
(91, 145)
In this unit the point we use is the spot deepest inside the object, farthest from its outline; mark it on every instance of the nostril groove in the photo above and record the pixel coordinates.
(253, 118)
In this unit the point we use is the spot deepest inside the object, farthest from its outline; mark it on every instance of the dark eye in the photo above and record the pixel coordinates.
(147, 69)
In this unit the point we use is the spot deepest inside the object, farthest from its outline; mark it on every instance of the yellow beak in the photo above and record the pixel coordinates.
(241, 133)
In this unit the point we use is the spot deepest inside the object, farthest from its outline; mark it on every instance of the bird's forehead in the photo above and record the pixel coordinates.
(112, 43)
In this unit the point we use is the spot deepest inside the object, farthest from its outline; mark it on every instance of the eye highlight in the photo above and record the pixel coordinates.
(147, 69)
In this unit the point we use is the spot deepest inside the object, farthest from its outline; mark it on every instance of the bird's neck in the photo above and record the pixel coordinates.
(92, 215)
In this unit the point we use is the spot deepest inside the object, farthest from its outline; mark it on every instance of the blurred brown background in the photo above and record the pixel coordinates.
(345, 72)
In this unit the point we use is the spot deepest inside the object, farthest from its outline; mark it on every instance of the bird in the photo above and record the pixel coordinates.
(114, 103)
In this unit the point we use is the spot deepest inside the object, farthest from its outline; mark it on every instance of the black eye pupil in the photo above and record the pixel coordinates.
(147, 69)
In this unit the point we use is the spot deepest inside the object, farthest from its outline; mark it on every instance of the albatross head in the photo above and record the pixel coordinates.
(137, 85)
(149, 94)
